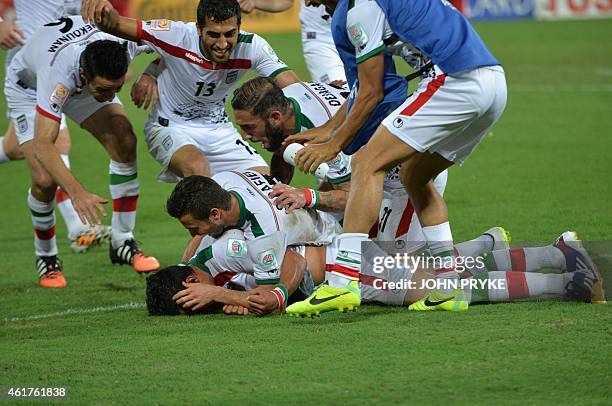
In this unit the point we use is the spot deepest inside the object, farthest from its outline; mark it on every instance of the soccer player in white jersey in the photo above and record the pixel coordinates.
(29, 17)
(267, 114)
(320, 54)
(40, 85)
(188, 131)
(220, 271)
(240, 199)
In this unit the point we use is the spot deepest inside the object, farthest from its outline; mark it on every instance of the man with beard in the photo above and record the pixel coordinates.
(188, 131)
(268, 114)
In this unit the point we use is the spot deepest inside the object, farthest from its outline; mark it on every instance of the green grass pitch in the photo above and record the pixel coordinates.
(545, 168)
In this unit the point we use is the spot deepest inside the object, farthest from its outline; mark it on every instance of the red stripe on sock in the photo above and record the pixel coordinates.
(404, 224)
(343, 270)
(517, 260)
(517, 285)
(125, 204)
(60, 196)
(45, 234)
(371, 280)
(424, 97)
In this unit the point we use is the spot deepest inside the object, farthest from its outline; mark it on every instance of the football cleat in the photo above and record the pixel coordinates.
(89, 236)
(50, 271)
(501, 238)
(580, 287)
(327, 298)
(578, 259)
(130, 254)
(454, 302)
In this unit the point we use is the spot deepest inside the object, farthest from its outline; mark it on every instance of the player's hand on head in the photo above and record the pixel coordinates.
(287, 197)
(311, 156)
(262, 303)
(144, 92)
(10, 36)
(87, 206)
(247, 6)
(235, 310)
(195, 295)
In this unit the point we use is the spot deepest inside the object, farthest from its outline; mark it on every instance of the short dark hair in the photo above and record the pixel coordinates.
(197, 196)
(161, 286)
(260, 96)
(218, 11)
(104, 58)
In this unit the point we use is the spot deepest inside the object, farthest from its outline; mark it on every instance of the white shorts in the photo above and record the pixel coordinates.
(397, 219)
(323, 61)
(450, 115)
(220, 143)
(22, 109)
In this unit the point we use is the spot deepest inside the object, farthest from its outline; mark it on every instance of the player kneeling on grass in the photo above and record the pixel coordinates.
(499, 276)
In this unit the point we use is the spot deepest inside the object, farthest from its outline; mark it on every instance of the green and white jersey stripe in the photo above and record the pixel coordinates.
(314, 104)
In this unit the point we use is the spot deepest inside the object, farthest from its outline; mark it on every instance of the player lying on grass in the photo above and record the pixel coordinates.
(188, 131)
(222, 272)
(70, 67)
(269, 115)
(507, 275)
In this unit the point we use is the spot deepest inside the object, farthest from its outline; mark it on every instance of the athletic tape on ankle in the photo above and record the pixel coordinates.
(312, 198)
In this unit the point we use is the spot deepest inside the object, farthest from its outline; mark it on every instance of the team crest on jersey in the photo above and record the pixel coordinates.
(160, 25)
(358, 36)
(231, 77)
(167, 143)
(58, 97)
(22, 124)
(267, 260)
(236, 248)
(337, 163)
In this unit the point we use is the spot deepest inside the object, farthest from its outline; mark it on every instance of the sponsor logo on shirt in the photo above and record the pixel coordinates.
(58, 97)
(358, 36)
(236, 248)
(267, 260)
(160, 25)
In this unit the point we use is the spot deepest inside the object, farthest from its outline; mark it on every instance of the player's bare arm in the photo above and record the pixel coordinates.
(322, 134)
(369, 94)
(286, 78)
(144, 91)
(86, 204)
(332, 199)
(273, 6)
(104, 15)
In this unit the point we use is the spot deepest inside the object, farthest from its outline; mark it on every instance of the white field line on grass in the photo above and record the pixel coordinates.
(539, 87)
(70, 312)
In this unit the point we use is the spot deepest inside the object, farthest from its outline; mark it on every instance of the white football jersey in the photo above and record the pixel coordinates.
(315, 22)
(314, 105)
(226, 260)
(31, 15)
(49, 62)
(192, 89)
(259, 216)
